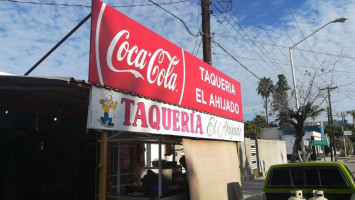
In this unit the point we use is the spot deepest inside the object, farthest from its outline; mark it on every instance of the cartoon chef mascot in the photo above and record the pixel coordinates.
(108, 105)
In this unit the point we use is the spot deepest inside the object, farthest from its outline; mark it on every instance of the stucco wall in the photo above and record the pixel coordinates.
(270, 153)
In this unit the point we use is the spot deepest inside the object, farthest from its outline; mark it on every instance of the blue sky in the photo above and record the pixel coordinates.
(257, 33)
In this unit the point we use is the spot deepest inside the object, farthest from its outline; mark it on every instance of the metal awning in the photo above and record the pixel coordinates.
(57, 88)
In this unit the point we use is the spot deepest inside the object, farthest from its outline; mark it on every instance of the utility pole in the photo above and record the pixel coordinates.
(330, 136)
(330, 121)
(206, 36)
(342, 130)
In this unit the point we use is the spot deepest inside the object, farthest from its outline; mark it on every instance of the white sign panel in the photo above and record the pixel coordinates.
(110, 110)
(348, 133)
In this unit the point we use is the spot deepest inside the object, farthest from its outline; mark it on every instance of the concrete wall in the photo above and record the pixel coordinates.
(271, 134)
(245, 160)
(271, 152)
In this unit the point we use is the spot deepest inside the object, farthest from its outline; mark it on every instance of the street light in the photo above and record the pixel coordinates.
(341, 20)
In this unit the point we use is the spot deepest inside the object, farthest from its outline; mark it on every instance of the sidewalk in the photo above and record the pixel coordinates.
(338, 159)
(252, 188)
(351, 159)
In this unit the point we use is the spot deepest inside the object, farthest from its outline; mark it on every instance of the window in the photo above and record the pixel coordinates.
(280, 177)
(297, 176)
(126, 172)
(312, 177)
(331, 177)
(114, 165)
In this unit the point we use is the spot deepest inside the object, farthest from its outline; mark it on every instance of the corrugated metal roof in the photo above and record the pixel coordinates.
(58, 88)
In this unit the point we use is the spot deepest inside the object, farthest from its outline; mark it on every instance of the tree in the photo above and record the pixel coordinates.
(352, 113)
(298, 118)
(339, 143)
(260, 121)
(280, 101)
(251, 129)
(337, 131)
(254, 128)
(265, 89)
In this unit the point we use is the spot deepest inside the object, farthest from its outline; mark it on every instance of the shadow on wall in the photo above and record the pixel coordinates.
(246, 170)
(263, 165)
(282, 157)
(234, 191)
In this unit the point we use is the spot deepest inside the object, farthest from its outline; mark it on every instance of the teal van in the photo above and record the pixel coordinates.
(334, 179)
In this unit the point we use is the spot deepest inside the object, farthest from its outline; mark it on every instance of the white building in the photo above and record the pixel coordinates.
(315, 132)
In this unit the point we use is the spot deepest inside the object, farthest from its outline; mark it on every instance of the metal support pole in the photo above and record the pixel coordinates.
(118, 189)
(58, 44)
(294, 79)
(160, 173)
(342, 130)
(149, 155)
(330, 137)
(341, 20)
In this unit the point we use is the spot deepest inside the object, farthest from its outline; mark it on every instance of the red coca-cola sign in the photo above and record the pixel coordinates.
(127, 56)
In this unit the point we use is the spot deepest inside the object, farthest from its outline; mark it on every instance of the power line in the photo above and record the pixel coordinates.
(182, 21)
(272, 58)
(281, 46)
(87, 6)
(258, 22)
(283, 27)
(235, 59)
(346, 84)
(244, 30)
(248, 45)
(309, 46)
(254, 59)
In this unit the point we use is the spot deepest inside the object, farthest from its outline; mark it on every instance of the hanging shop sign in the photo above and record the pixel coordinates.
(111, 110)
(127, 56)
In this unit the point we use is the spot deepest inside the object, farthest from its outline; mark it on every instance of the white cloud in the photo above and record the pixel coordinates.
(29, 31)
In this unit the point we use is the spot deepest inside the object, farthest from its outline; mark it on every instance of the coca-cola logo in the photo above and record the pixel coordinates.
(127, 56)
(139, 58)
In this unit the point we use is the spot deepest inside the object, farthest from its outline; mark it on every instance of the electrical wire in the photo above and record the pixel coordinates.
(251, 47)
(262, 49)
(87, 6)
(281, 46)
(284, 29)
(182, 21)
(309, 46)
(242, 29)
(216, 43)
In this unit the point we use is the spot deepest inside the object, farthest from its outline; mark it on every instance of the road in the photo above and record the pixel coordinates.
(350, 163)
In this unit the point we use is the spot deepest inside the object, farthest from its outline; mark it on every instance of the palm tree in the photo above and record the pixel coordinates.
(265, 89)
(316, 112)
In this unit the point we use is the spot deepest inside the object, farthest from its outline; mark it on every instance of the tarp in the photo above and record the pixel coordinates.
(211, 166)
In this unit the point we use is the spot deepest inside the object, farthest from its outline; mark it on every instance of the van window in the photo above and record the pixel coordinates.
(280, 177)
(332, 177)
(297, 176)
(311, 176)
